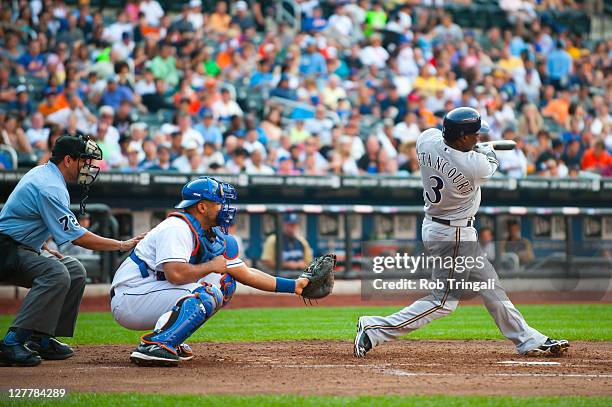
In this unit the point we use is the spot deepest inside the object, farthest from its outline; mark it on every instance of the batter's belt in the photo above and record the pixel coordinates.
(460, 223)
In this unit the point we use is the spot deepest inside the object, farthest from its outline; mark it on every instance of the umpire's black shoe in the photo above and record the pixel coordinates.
(55, 350)
(552, 347)
(362, 342)
(18, 355)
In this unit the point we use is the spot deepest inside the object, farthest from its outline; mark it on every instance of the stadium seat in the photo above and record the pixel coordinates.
(8, 157)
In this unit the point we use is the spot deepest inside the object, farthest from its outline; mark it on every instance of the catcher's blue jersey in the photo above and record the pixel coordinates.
(39, 207)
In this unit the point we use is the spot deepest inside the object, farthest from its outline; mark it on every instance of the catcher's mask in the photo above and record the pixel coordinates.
(85, 151)
(210, 189)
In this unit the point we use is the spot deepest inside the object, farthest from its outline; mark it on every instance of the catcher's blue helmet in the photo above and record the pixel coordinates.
(210, 189)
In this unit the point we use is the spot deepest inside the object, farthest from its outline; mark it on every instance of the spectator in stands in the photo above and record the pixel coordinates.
(52, 103)
(219, 20)
(316, 22)
(164, 66)
(153, 12)
(103, 134)
(558, 108)
(132, 159)
(212, 156)
(157, 101)
(84, 118)
(163, 159)
(237, 163)
(282, 90)
(513, 163)
(32, 62)
(559, 66)
(21, 104)
(369, 162)
(320, 124)
(374, 54)
(148, 149)
(243, 18)
(209, 129)
(312, 63)
(256, 163)
(37, 134)
(115, 93)
(271, 125)
(286, 166)
(296, 252)
(531, 122)
(517, 244)
(298, 133)
(12, 134)
(226, 107)
(596, 158)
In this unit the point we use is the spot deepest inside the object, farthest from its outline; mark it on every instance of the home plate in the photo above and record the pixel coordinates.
(526, 363)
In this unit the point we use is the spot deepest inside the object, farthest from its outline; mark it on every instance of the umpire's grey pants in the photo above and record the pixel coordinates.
(56, 288)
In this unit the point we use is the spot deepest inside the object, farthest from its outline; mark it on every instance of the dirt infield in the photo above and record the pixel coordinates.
(404, 367)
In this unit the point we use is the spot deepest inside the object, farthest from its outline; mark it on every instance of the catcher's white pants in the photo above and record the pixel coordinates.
(443, 240)
(140, 307)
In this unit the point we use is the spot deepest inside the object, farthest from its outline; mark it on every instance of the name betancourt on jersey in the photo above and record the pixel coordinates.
(463, 185)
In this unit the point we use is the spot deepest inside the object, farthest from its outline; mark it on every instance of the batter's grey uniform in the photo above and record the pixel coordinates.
(36, 209)
(451, 182)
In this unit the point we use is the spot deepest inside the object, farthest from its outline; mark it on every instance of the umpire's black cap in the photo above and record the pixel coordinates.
(74, 146)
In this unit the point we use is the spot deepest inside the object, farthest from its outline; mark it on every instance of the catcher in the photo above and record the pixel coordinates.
(186, 269)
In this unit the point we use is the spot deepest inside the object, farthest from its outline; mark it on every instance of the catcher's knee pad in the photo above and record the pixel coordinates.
(228, 287)
(211, 298)
(186, 317)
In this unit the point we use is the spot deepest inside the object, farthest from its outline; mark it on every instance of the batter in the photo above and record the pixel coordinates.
(452, 170)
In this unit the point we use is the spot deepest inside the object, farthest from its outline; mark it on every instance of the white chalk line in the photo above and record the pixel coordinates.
(528, 363)
(384, 368)
(398, 372)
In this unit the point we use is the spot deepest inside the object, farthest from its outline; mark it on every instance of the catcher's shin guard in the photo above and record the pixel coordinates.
(186, 317)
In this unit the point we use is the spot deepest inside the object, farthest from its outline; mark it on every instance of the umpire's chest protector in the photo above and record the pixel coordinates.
(207, 246)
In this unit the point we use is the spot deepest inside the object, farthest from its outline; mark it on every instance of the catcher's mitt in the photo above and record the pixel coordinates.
(320, 274)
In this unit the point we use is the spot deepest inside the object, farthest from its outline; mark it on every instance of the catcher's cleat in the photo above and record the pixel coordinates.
(49, 348)
(362, 342)
(154, 355)
(184, 352)
(552, 347)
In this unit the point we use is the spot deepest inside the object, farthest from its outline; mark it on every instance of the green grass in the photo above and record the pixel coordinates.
(156, 400)
(573, 322)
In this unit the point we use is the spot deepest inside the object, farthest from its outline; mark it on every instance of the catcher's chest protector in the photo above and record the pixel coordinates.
(206, 248)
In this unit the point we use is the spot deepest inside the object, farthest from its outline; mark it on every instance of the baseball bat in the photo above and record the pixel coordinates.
(500, 144)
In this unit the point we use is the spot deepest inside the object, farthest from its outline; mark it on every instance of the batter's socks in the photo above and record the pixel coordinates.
(16, 336)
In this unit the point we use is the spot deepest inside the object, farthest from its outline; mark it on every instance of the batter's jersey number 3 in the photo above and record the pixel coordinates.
(437, 186)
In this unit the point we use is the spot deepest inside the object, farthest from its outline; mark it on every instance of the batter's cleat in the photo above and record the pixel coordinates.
(184, 352)
(362, 342)
(18, 355)
(154, 355)
(552, 347)
(53, 349)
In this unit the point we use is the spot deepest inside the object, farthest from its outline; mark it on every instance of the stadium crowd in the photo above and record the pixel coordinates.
(229, 89)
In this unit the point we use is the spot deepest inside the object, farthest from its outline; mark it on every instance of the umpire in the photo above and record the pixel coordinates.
(36, 209)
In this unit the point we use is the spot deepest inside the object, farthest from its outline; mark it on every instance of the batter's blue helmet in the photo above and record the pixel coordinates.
(210, 189)
(459, 122)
